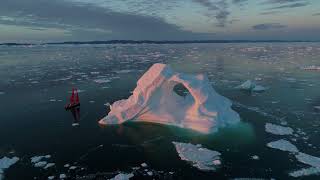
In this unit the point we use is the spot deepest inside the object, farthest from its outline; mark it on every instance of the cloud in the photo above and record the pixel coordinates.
(295, 5)
(268, 26)
(217, 10)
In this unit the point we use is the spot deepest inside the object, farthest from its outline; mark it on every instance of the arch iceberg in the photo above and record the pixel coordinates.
(153, 100)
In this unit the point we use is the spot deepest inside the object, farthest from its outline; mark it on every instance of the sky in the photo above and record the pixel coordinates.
(86, 20)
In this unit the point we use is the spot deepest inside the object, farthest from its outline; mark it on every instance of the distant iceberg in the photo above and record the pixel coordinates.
(251, 86)
(154, 100)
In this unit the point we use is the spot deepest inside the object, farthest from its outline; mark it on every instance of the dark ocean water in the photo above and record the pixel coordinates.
(35, 84)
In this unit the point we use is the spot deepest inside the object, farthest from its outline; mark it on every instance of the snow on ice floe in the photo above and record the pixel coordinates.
(40, 161)
(283, 145)
(5, 163)
(154, 100)
(278, 130)
(122, 176)
(201, 158)
(251, 86)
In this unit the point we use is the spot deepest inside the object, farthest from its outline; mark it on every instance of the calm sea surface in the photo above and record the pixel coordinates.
(35, 84)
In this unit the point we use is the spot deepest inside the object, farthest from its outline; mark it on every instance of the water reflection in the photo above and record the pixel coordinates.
(76, 115)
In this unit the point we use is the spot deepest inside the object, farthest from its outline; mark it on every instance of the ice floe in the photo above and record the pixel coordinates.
(313, 67)
(122, 176)
(201, 158)
(283, 145)
(251, 86)
(36, 159)
(102, 80)
(305, 172)
(5, 163)
(308, 159)
(154, 100)
(278, 130)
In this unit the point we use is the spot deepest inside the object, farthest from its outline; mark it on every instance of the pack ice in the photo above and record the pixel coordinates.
(153, 100)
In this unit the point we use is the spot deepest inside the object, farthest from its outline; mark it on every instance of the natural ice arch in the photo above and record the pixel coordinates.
(154, 100)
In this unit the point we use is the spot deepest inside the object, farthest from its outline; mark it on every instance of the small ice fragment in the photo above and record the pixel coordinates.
(62, 176)
(91, 101)
(150, 173)
(259, 88)
(1, 93)
(305, 172)
(102, 80)
(255, 157)
(75, 124)
(317, 108)
(73, 167)
(144, 165)
(50, 177)
(41, 164)
(283, 145)
(52, 100)
(201, 158)
(122, 176)
(278, 130)
(49, 165)
(66, 165)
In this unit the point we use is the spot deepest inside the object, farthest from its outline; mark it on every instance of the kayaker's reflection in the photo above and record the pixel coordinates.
(76, 116)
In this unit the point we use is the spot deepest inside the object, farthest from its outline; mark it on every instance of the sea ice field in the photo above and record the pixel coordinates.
(274, 87)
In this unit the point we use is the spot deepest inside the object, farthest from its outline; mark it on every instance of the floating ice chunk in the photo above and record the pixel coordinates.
(313, 67)
(308, 159)
(36, 159)
(51, 177)
(317, 108)
(278, 130)
(251, 86)
(283, 145)
(62, 176)
(255, 157)
(102, 80)
(122, 176)
(73, 167)
(5, 163)
(144, 165)
(75, 124)
(150, 173)
(201, 158)
(305, 172)
(66, 165)
(41, 164)
(154, 100)
(49, 165)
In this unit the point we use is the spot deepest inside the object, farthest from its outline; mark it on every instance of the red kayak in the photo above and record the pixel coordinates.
(74, 100)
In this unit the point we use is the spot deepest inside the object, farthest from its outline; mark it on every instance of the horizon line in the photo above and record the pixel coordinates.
(152, 42)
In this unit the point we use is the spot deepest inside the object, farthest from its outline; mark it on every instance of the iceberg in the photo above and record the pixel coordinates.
(251, 86)
(201, 158)
(154, 100)
(278, 130)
